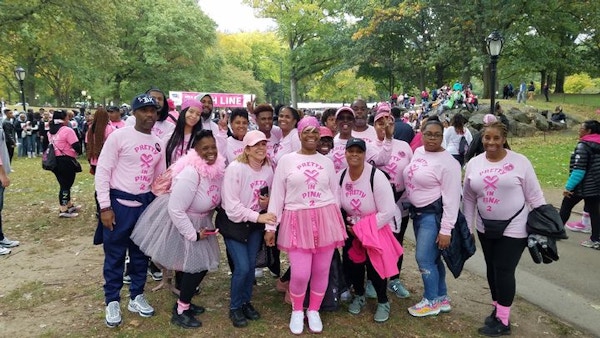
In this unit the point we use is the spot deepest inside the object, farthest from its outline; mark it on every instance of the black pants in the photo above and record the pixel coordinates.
(502, 256)
(189, 283)
(400, 238)
(357, 276)
(592, 206)
(65, 175)
(11, 152)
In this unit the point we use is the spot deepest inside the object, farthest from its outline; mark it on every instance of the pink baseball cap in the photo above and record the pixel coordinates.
(345, 109)
(253, 137)
(325, 132)
(308, 121)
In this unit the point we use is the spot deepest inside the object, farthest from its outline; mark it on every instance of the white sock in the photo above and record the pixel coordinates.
(585, 219)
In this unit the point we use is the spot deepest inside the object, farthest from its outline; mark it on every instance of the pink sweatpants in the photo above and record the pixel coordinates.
(313, 267)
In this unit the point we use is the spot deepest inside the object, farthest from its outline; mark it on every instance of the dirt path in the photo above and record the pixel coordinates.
(53, 287)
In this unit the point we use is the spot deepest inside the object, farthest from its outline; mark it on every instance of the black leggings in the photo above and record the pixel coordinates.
(189, 283)
(400, 238)
(592, 206)
(357, 276)
(502, 256)
(65, 175)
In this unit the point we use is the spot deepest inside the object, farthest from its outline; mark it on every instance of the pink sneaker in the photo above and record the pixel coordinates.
(578, 227)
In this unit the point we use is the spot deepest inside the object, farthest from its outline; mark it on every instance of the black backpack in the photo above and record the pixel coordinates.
(335, 287)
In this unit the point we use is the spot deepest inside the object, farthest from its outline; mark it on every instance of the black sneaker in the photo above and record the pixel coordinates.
(186, 320)
(195, 309)
(489, 320)
(250, 312)
(237, 318)
(497, 329)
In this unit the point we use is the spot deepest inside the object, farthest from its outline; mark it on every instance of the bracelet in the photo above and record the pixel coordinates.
(105, 209)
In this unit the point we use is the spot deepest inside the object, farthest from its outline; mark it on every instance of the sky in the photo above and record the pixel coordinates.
(232, 16)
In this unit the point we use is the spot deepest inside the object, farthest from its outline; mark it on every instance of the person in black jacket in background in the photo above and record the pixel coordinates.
(583, 183)
(9, 132)
(402, 131)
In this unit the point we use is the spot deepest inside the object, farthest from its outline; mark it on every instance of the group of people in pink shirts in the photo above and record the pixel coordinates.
(307, 188)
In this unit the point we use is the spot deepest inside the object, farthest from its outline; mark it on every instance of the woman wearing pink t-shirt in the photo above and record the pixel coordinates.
(186, 126)
(304, 198)
(500, 185)
(433, 186)
(66, 148)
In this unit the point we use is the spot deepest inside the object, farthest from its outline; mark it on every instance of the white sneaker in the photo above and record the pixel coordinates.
(141, 306)
(315, 325)
(346, 296)
(258, 273)
(297, 322)
(4, 251)
(113, 314)
(7, 243)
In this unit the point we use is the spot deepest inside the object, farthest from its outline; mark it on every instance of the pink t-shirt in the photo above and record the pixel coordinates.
(369, 134)
(181, 149)
(357, 198)
(287, 144)
(62, 140)
(499, 190)
(241, 190)
(431, 175)
(303, 182)
(119, 124)
(220, 135)
(273, 141)
(129, 161)
(195, 195)
(399, 159)
(234, 149)
(378, 155)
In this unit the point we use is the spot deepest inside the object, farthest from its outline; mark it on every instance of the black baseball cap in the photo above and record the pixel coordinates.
(356, 142)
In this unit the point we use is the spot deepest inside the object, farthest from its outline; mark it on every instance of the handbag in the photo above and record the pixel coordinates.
(233, 230)
(265, 256)
(494, 229)
(76, 165)
(49, 158)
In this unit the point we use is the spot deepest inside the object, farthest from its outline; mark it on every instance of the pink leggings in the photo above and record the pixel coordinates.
(313, 267)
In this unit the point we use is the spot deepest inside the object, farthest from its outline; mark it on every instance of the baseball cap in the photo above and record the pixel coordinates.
(356, 142)
(253, 137)
(143, 100)
(345, 109)
(325, 132)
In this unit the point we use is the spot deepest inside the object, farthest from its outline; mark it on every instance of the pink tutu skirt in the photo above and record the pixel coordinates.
(159, 238)
(311, 229)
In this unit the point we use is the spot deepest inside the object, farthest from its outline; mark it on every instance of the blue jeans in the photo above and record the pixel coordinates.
(429, 258)
(243, 256)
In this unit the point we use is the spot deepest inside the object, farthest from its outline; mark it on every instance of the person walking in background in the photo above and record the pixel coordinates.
(304, 197)
(499, 184)
(96, 136)
(432, 181)
(66, 148)
(176, 229)
(522, 94)
(546, 90)
(242, 201)
(583, 184)
(530, 90)
(132, 157)
(457, 138)
(114, 114)
(8, 127)
(5, 243)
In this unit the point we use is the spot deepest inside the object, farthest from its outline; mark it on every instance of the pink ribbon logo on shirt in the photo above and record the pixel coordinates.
(391, 169)
(146, 160)
(411, 171)
(355, 203)
(490, 182)
(337, 160)
(311, 178)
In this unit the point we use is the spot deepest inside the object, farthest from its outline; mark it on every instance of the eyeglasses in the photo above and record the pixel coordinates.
(432, 135)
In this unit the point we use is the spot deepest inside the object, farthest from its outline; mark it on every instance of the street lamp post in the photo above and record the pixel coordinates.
(20, 75)
(494, 44)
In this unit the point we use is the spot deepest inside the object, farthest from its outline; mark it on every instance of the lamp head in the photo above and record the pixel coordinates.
(494, 43)
(20, 73)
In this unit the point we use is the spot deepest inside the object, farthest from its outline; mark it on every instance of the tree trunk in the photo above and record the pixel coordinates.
(439, 75)
(560, 81)
(294, 90)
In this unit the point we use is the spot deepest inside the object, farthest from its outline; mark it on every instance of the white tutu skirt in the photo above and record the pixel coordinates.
(159, 238)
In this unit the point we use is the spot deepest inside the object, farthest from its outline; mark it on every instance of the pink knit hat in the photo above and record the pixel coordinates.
(253, 137)
(489, 118)
(191, 103)
(308, 121)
